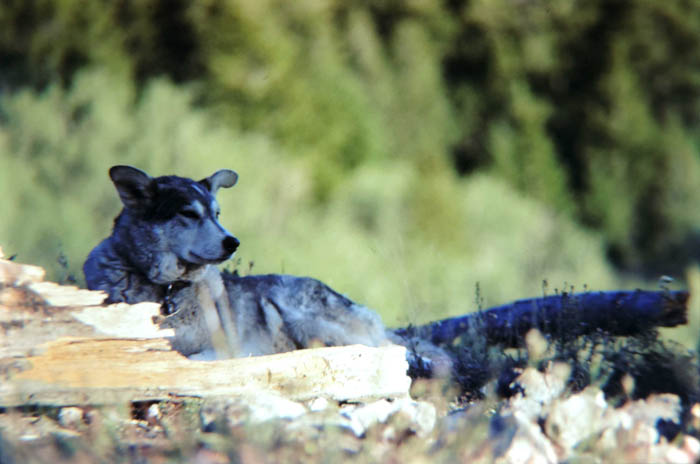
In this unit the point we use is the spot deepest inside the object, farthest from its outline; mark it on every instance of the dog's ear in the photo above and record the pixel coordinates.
(223, 178)
(133, 185)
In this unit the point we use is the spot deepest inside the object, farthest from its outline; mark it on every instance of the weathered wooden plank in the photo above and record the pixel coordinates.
(123, 320)
(26, 321)
(66, 295)
(106, 371)
(33, 312)
(12, 273)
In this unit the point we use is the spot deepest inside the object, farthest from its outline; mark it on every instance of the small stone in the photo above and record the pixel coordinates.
(574, 419)
(421, 415)
(364, 416)
(514, 438)
(678, 456)
(643, 434)
(695, 411)
(425, 418)
(153, 414)
(539, 388)
(318, 404)
(695, 416)
(691, 444)
(70, 417)
(265, 407)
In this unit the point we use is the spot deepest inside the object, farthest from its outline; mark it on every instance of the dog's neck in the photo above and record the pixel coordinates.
(130, 271)
(131, 283)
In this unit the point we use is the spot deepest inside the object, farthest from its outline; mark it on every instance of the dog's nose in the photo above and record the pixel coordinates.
(230, 244)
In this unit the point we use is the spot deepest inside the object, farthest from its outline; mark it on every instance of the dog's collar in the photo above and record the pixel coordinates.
(168, 307)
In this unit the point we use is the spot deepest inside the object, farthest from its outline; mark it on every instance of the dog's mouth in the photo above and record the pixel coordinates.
(189, 266)
(194, 260)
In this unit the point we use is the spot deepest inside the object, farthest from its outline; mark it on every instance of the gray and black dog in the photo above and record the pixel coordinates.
(165, 246)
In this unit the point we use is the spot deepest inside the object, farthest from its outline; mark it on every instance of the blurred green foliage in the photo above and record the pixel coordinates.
(601, 100)
(400, 151)
(411, 244)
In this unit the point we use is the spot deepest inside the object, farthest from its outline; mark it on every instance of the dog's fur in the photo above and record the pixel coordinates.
(164, 247)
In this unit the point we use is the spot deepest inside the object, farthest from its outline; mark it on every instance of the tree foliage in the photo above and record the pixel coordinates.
(588, 107)
(610, 119)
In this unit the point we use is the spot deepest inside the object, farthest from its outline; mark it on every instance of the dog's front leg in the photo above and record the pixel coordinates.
(216, 310)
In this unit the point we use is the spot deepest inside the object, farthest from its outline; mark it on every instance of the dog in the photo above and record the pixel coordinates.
(165, 246)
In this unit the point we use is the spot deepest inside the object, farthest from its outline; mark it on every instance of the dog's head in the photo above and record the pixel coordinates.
(176, 220)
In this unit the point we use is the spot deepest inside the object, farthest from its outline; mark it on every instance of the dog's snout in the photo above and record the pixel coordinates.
(230, 244)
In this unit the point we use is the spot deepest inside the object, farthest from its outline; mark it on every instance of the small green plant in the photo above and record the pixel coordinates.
(66, 276)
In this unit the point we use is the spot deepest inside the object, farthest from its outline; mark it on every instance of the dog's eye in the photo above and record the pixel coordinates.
(188, 213)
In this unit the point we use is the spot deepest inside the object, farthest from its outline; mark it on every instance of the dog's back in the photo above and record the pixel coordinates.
(281, 312)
